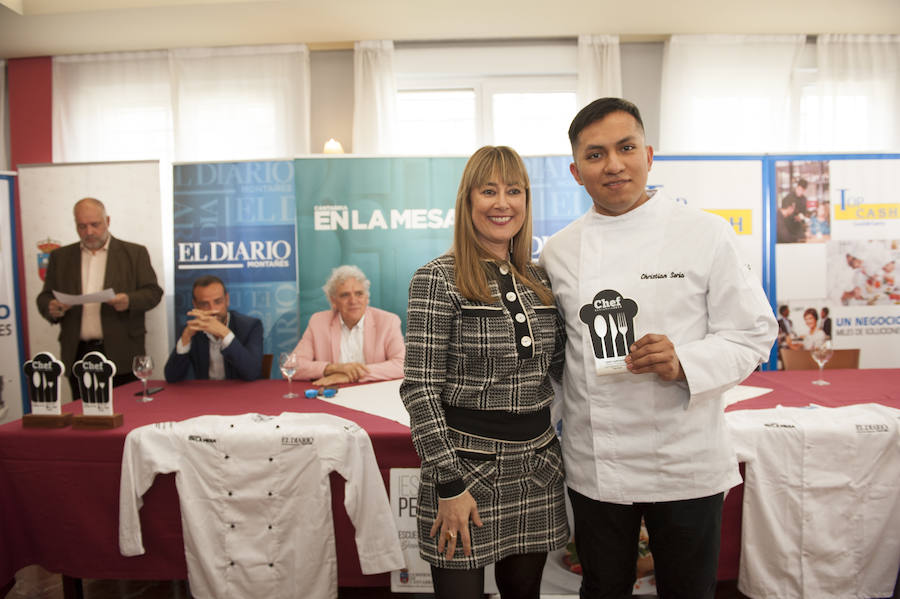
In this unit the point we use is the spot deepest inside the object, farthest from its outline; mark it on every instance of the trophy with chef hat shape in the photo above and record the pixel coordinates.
(43, 373)
(94, 373)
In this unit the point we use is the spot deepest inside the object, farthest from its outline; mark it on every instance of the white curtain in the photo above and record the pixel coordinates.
(599, 68)
(111, 107)
(182, 105)
(240, 103)
(855, 101)
(727, 93)
(4, 120)
(374, 97)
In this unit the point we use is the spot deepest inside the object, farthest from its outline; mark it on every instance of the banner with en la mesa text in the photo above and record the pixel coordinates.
(388, 216)
(236, 221)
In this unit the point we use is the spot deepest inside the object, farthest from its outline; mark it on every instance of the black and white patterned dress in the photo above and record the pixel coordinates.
(468, 356)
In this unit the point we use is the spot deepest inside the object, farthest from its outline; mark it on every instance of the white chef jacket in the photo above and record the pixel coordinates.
(255, 501)
(821, 516)
(634, 438)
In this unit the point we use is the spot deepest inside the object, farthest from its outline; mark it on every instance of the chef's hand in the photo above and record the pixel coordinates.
(453, 523)
(119, 302)
(57, 309)
(655, 353)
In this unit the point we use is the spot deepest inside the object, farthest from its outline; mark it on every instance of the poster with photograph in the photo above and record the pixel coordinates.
(838, 244)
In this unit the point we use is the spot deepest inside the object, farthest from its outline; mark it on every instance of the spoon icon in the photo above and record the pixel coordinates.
(600, 328)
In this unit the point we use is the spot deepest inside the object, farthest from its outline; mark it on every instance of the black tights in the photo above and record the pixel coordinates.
(517, 577)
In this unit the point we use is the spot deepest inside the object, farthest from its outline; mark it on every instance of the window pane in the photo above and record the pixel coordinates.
(436, 122)
(533, 123)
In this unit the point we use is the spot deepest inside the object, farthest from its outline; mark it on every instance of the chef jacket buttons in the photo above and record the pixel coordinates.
(271, 565)
(520, 317)
(229, 493)
(526, 341)
(270, 493)
(270, 527)
(232, 525)
(227, 456)
(231, 425)
(231, 564)
(511, 296)
(271, 459)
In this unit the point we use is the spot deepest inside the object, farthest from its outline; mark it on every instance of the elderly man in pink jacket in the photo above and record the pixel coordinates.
(352, 342)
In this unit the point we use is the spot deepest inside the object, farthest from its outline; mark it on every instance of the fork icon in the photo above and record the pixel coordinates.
(622, 326)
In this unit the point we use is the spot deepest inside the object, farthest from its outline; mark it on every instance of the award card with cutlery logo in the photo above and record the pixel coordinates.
(610, 322)
(94, 373)
(43, 374)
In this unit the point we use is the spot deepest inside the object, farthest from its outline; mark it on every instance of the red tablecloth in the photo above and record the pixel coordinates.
(59, 489)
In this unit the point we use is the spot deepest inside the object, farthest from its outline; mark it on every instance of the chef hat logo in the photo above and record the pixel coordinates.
(610, 320)
(43, 372)
(94, 373)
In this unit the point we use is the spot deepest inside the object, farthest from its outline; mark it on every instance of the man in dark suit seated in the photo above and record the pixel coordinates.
(231, 343)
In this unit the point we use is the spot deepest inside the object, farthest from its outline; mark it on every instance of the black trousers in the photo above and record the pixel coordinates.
(89, 346)
(684, 541)
(517, 577)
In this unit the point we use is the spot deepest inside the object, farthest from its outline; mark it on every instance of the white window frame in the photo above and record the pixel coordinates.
(487, 69)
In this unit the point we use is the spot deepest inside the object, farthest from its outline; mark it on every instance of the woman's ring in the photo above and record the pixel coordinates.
(451, 535)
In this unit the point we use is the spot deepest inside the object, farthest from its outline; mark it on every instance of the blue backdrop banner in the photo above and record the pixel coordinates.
(237, 221)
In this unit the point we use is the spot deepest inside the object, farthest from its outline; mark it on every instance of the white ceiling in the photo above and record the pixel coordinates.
(55, 27)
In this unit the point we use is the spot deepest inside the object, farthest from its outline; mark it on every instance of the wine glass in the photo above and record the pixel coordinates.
(288, 366)
(821, 353)
(142, 367)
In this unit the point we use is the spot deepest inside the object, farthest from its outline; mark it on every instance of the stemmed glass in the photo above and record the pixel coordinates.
(142, 367)
(821, 353)
(288, 366)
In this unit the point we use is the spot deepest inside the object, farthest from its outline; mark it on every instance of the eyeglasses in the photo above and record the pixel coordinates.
(325, 392)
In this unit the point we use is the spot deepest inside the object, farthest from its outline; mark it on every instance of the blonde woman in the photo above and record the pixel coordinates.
(483, 336)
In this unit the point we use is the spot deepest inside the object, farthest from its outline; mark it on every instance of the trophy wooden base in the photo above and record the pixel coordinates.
(46, 420)
(82, 421)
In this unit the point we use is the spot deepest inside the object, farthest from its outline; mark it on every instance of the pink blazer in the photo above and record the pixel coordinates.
(383, 345)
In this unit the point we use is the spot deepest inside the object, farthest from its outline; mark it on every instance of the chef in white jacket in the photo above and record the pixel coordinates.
(662, 316)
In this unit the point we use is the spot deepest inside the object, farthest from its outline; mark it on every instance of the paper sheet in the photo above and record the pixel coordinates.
(742, 392)
(379, 399)
(86, 298)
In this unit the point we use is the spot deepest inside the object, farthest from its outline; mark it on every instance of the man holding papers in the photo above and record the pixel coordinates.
(99, 262)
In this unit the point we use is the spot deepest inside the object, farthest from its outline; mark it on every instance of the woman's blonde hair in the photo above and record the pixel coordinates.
(486, 164)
